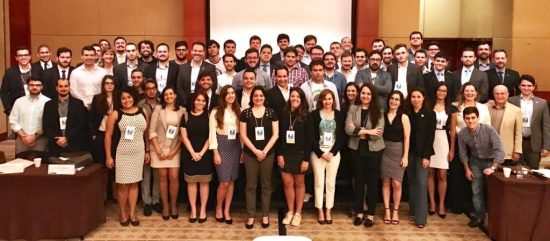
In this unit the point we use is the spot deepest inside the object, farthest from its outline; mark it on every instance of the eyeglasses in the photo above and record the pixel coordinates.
(373, 59)
(181, 50)
(35, 85)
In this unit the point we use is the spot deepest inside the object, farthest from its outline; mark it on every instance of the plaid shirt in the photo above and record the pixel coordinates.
(296, 76)
(483, 143)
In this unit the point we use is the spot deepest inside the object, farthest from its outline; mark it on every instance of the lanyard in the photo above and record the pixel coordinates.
(291, 123)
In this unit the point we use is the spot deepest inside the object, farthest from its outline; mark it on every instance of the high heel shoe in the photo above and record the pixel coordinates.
(358, 220)
(125, 223)
(369, 222)
(265, 225)
(249, 226)
(387, 221)
(134, 222)
(202, 220)
(165, 217)
(431, 213)
(395, 218)
(442, 215)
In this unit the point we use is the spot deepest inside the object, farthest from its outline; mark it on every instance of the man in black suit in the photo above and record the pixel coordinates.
(120, 48)
(181, 53)
(65, 122)
(277, 97)
(470, 74)
(265, 64)
(146, 49)
(187, 80)
(164, 72)
(500, 75)
(15, 80)
(283, 40)
(62, 70)
(205, 83)
(121, 71)
(441, 74)
(44, 61)
(484, 62)
(405, 76)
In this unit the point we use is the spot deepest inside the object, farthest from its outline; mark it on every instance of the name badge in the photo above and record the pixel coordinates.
(526, 121)
(129, 132)
(259, 133)
(327, 138)
(439, 125)
(171, 132)
(62, 123)
(398, 86)
(232, 133)
(290, 137)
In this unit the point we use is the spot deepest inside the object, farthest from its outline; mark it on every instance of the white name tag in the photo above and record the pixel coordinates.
(439, 124)
(62, 123)
(259, 133)
(526, 121)
(398, 86)
(7, 168)
(232, 133)
(61, 169)
(171, 132)
(327, 138)
(290, 137)
(129, 132)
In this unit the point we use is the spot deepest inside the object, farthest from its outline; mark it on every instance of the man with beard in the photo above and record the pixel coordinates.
(416, 39)
(62, 70)
(360, 59)
(213, 48)
(347, 44)
(104, 44)
(229, 62)
(283, 40)
(65, 122)
(405, 76)
(309, 42)
(330, 73)
(181, 53)
(500, 75)
(120, 49)
(378, 44)
(316, 52)
(26, 121)
(137, 78)
(146, 49)
(251, 59)
(15, 80)
(300, 50)
(347, 67)
(470, 74)
(336, 49)
(254, 42)
(164, 72)
(379, 78)
(187, 77)
(387, 58)
(122, 71)
(484, 62)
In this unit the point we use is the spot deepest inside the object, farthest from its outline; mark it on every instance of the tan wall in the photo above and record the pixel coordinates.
(397, 20)
(86, 21)
(440, 19)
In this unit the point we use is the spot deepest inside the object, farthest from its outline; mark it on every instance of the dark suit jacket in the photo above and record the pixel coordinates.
(76, 131)
(39, 68)
(120, 72)
(452, 83)
(12, 86)
(212, 102)
(540, 123)
(422, 132)
(511, 80)
(480, 81)
(275, 100)
(240, 65)
(183, 83)
(414, 76)
(173, 70)
(491, 64)
(49, 80)
(276, 58)
(383, 83)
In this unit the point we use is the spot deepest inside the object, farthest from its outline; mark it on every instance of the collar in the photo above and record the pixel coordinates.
(503, 70)
(164, 66)
(526, 98)
(468, 68)
(283, 90)
(193, 65)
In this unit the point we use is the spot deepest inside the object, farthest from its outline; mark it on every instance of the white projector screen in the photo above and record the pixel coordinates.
(328, 20)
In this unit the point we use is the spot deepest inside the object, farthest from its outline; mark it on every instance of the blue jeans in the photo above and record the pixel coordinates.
(479, 184)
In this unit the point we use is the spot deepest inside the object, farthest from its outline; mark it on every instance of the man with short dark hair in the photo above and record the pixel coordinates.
(420, 59)
(137, 76)
(283, 41)
(317, 83)
(187, 77)
(123, 71)
(181, 53)
(278, 96)
(405, 76)
(263, 79)
(15, 79)
(85, 81)
(470, 74)
(441, 74)
(230, 47)
(44, 61)
(378, 44)
(120, 50)
(387, 58)
(484, 62)
(346, 67)
(377, 77)
(300, 50)
(336, 49)
(104, 44)
(265, 59)
(213, 48)
(146, 49)
(416, 39)
(229, 62)
(360, 59)
(433, 49)
(62, 70)
(501, 75)
(295, 73)
(309, 42)
(316, 52)
(330, 73)
(164, 72)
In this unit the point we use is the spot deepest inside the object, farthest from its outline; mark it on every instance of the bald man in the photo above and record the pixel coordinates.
(506, 119)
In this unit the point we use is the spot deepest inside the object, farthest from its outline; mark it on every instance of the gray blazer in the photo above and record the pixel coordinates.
(353, 126)
(540, 123)
(481, 82)
(382, 82)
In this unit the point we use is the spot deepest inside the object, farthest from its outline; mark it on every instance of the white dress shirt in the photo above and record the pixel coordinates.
(26, 114)
(85, 84)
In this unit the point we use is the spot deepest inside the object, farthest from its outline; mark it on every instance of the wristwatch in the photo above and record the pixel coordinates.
(493, 168)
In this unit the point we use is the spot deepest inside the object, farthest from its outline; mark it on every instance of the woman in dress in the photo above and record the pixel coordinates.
(107, 60)
(293, 152)
(165, 144)
(328, 133)
(444, 147)
(197, 159)
(226, 146)
(395, 158)
(421, 149)
(259, 132)
(127, 126)
(365, 126)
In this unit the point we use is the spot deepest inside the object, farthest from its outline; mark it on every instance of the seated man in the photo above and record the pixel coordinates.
(65, 122)
(480, 151)
(26, 121)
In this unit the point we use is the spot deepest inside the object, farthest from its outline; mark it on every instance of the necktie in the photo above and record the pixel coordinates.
(63, 76)
(264, 68)
(440, 76)
(45, 65)
(501, 76)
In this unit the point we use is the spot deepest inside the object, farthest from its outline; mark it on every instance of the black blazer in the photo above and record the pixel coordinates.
(414, 76)
(422, 132)
(120, 72)
(173, 70)
(340, 134)
(96, 115)
(276, 58)
(12, 86)
(76, 131)
(49, 80)
(38, 67)
(275, 100)
(451, 81)
(511, 80)
(183, 82)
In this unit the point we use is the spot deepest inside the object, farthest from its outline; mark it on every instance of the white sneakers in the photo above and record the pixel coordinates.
(292, 219)
(288, 218)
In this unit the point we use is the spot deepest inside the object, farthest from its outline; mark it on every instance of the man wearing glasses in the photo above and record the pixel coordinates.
(262, 78)
(181, 53)
(379, 78)
(15, 80)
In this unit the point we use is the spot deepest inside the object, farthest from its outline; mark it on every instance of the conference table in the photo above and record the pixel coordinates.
(35, 205)
(519, 209)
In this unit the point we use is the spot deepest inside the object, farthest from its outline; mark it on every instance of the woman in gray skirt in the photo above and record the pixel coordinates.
(395, 156)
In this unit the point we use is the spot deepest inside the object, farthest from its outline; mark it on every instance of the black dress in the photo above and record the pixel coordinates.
(295, 153)
(197, 132)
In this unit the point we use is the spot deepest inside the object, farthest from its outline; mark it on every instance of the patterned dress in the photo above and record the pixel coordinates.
(130, 153)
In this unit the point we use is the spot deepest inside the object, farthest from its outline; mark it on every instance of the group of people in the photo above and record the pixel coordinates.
(380, 113)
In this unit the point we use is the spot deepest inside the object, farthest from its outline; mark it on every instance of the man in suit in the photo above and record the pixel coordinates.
(278, 96)
(62, 70)
(164, 72)
(405, 75)
(506, 119)
(535, 122)
(262, 78)
(120, 48)
(360, 57)
(441, 74)
(470, 74)
(16, 78)
(415, 39)
(336, 49)
(265, 60)
(374, 75)
(188, 73)
(283, 40)
(205, 83)
(65, 122)
(500, 75)
(44, 60)
(213, 49)
(255, 42)
(433, 49)
(181, 53)
(484, 62)
(121, 71)
(146, 49)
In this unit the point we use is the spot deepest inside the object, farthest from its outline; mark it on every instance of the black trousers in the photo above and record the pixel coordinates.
(366, 170)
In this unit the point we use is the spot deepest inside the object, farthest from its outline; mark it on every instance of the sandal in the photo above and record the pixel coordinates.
(387, 220)
(395, 218)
